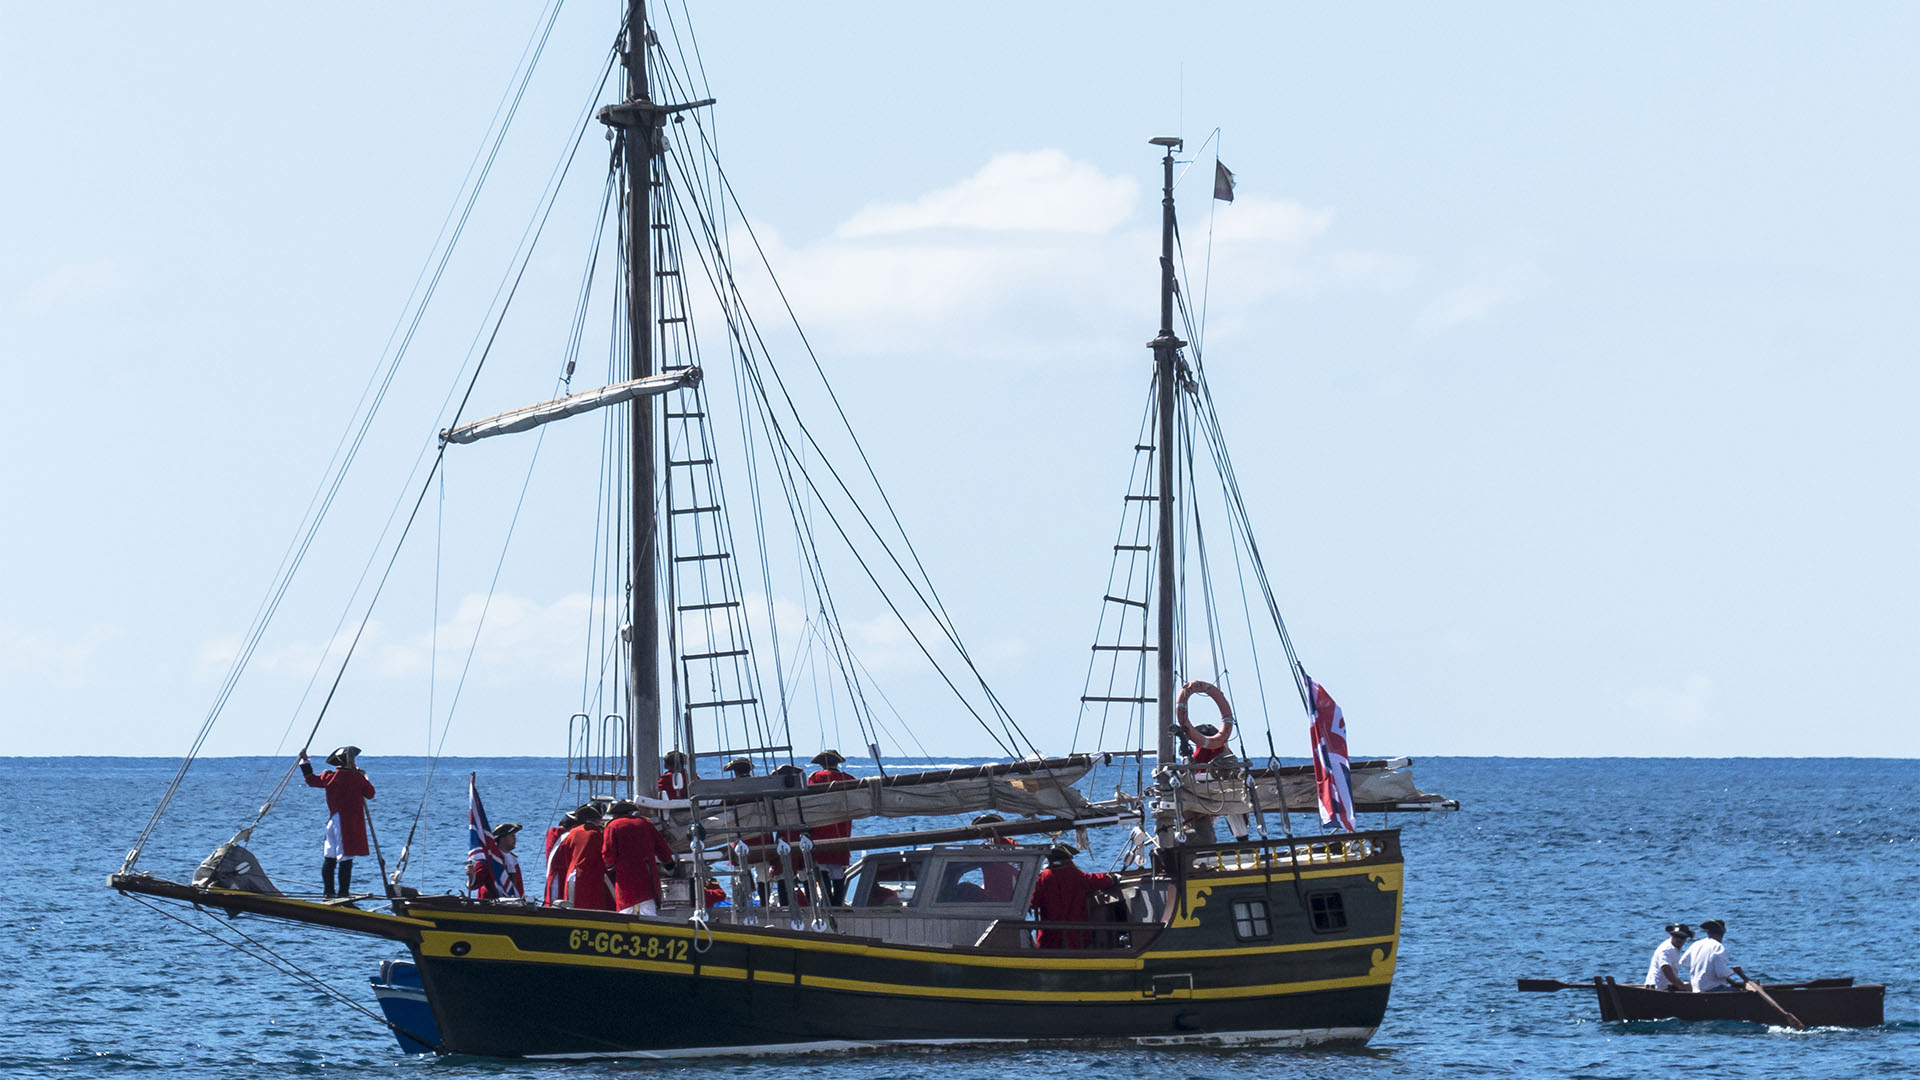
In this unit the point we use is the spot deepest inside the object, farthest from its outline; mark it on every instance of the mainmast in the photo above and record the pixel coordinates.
(1166, 358)
(640, 125)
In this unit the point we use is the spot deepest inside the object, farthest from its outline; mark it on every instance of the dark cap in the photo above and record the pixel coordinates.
(829, 758)
(570, 819)
(343, 756)
(1680, 928)
(587, 814)
(1713, 926)
(672, 758)
(740, 766)
(988, 819)
(1207, 729)
(1062, 853)
(623, 808)
(505, 829)
(786, 770)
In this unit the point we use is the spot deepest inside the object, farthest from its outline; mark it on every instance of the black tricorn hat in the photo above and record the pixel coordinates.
(1713, 925)
(1680, 928)
(343, 757)
(505, 829)
(587, 814)
(739, 766)
(623, 808)
(1207, 729)
(988, 819)
(786, 770)
(672, 758)
(570, 819)
(829, 758)
(1060, 853)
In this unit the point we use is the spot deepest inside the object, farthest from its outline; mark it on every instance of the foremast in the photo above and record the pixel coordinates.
(1166, 363)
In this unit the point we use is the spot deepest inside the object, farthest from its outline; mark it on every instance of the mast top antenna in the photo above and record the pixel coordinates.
(1168, 141)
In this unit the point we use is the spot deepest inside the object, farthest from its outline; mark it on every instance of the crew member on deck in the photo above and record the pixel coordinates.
(762, 869)
(999, 878)
(673, 780)
(634, 852)
(832, 864)
(1202, 755)
(1667, 972)
(1706, 961)
(557, 872)
(583, 869)
(348, 790)
(1061, 896)
(510, 886)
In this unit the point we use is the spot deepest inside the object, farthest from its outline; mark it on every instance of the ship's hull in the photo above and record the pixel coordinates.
(1290, 945)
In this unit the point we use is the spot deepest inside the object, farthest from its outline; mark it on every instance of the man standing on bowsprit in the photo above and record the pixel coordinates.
(1061, 896)
(634, 851)
(348, 790)
(832, 864)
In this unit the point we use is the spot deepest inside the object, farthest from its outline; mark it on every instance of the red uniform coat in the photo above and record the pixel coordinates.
(481, 881)
(672, 784)
(633, 849)
(839, 830)
(556, 873)
(347, 793)
(1001, 877)
(1061, 896)
(1203, 754)
(582, 869)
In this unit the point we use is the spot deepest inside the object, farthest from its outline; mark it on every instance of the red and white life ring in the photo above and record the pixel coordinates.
(1210, 742)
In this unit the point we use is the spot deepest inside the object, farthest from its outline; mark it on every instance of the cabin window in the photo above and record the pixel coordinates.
(1328, 911)
(1250, 920)
(893, 884)
(978, 881)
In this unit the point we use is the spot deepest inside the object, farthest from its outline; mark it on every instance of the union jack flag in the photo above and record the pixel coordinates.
(1330, 769)
(483, 850)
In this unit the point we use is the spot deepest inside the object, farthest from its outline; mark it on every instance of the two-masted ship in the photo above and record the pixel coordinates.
(1274, 938)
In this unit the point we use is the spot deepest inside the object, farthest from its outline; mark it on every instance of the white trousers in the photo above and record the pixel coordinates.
(644, 907)
(331, 845)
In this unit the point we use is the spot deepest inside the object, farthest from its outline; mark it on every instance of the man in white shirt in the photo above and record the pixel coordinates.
(1706, 961)
(1667, 971)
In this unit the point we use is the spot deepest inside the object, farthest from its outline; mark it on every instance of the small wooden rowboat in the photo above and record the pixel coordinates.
(1817, 1003)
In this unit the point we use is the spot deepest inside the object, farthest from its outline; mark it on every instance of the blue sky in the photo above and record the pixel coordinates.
(1567, 352)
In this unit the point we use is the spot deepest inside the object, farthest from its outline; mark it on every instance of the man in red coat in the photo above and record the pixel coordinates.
(673, 781)
(634, 851)
(832, 864)
(1000, 878)
(583, 869)
(1061, 896)
(557, 872)
(348, 790)
(510, 885)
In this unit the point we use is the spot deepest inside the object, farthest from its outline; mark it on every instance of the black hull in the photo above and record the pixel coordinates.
(555, 1012)
(1839, 1006)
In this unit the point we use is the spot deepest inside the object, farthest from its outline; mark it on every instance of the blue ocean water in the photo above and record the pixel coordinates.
(1554, 868)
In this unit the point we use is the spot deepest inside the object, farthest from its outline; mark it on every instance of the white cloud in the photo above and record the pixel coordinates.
(1042, 191)
(1037, 255)
(67, 283)
(46, 656)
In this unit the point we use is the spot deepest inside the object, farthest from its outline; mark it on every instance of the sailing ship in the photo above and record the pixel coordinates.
(1272, 938)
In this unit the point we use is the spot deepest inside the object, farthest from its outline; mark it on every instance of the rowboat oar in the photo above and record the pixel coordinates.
(1547, 986)
(1792, 1020)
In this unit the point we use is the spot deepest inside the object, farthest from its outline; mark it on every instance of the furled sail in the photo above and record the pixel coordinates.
(1378, 787)
(1017, 789)
(528, 417)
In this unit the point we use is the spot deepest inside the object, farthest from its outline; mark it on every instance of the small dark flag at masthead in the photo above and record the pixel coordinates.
(1222, 182)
